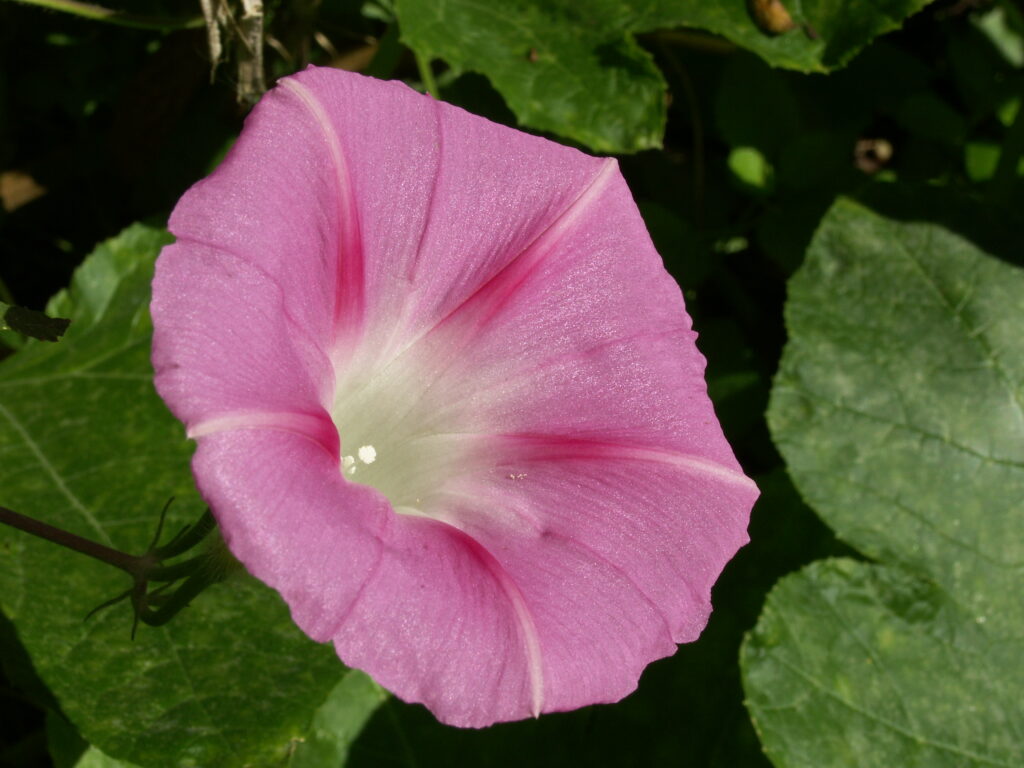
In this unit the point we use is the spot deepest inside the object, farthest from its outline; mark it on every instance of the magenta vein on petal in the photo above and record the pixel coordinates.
(519, 267)
(494, 292)
(349, 276)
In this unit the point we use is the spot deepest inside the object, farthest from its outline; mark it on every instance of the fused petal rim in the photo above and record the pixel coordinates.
(447, 400)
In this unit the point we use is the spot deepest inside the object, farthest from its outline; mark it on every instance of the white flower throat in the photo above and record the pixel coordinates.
(399, 432)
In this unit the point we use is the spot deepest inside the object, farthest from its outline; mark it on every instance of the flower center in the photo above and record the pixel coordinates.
(367, 455)
(398, 433)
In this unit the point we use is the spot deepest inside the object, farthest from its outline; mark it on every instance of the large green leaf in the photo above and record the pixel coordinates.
(854, 664)
(562, 66)
(574, 68)
(87, 445)
(899, 409)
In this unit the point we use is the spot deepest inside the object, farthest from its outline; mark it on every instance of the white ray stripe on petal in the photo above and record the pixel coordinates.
(531, 642)
(577, 208)
(554, 447)
(304, 424)
(696, 464)
(518, 268)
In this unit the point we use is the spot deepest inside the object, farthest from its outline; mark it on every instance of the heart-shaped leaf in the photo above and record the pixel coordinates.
(899, 408)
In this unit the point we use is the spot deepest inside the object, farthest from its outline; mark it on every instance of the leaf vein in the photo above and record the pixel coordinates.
(893, 726)
(794, 387)
(58, 481)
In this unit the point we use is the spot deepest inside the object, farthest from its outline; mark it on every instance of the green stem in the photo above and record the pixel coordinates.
(179, 599)
(120, 18)
(176, 571)
(114, 557)
(198, 572)
(426, 74)
(187, 538)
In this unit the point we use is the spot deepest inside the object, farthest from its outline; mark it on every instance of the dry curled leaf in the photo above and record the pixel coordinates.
(18, 188)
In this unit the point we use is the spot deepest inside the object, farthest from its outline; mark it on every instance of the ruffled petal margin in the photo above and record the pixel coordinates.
(357, 224)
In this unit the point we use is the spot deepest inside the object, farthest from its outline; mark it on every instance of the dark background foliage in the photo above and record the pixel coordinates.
(104, 125)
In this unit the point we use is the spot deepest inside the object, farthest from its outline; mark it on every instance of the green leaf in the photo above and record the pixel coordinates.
(97, 280)
(576, 69)
(996, 24)
(87, 445)
(94, 758)
(338, 722)
(981, 158)
(751, 168)
(335, 727)
(828, 33)
(854, 664)
(63, 742)
(562, 66)
(899, 409)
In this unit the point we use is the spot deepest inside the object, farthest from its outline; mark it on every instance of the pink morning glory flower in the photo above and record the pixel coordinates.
(447, 400)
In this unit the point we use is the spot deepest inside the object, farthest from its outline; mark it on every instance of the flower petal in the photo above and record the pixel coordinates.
(478, 320)
(665, 522)
(412, 599)
(442, 197)
(227, 350)
(287, 513)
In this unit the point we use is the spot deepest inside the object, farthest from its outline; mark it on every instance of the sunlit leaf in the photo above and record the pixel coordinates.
(577, 70)
(899, 408)
(564, 67)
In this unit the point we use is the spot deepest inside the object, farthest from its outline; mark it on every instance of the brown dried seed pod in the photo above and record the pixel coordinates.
(771, 16)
